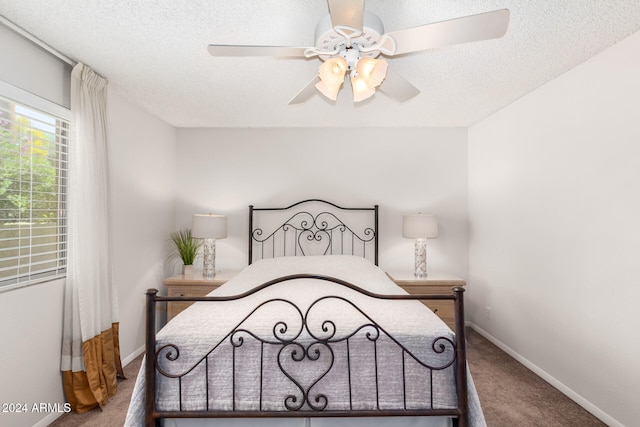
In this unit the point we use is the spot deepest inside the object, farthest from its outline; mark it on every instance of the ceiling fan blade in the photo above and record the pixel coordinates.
(347, 13)
(245, 50)
(307, 92)
(397, 87)
(483, 26)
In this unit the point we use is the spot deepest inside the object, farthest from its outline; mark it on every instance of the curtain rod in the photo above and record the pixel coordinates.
(16, 29)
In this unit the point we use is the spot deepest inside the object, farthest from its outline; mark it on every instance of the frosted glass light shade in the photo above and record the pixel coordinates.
(331, 73)
(209, 226)
(373, 71)
(361, 90)
(370, 73)
(423, 226)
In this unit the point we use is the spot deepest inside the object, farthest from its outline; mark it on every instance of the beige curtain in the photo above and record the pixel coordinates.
(90, 349)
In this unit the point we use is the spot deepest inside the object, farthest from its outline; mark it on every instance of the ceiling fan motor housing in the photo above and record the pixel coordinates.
(328, 39)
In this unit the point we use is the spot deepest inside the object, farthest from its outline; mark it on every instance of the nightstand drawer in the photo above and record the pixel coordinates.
(434, 284)
(190, 290)
(175, 307)
(191, 286)
(444, 310)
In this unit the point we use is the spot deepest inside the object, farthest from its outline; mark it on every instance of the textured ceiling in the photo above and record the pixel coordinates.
(154, 52)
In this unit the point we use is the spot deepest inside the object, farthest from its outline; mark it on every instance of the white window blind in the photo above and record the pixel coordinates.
(33, 194)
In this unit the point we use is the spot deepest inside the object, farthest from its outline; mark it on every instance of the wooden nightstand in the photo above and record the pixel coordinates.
(191, 286)
(433, 284)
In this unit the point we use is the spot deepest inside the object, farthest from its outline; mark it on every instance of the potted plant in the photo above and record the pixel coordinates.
(186, 248)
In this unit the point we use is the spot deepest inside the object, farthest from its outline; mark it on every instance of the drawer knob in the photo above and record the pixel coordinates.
(435, 310)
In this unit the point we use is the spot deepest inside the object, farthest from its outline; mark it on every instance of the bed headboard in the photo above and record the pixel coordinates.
(313, 227)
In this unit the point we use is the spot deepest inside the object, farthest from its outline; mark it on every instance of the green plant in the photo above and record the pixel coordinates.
(186, 246)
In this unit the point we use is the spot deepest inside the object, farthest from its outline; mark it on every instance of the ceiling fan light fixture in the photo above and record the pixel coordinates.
(331, 74)
(372, 71)
(349, 39)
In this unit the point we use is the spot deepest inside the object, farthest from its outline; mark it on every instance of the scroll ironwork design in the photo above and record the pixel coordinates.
(324, 231)
(308, 339)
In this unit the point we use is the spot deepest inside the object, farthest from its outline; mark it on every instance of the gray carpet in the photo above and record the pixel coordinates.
(510, 394)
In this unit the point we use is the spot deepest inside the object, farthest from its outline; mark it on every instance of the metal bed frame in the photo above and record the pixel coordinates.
(323, 344)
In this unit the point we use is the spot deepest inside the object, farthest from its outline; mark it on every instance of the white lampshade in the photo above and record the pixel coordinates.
(361, 90)
(209, 226)
(331, 73)
(417, 226)
(373, 71)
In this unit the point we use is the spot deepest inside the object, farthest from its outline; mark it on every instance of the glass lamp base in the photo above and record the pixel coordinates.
(209, 255)
(420, 258)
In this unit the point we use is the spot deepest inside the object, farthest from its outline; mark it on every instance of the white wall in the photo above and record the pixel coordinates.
(143, 175)
(31, 337)
(554, 185)
(402, 170)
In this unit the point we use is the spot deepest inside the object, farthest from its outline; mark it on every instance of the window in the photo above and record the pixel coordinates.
(33, 192)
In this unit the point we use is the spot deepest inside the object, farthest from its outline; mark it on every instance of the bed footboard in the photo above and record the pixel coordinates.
(308, 363)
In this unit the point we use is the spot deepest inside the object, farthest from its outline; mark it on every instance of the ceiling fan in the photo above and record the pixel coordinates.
(349, 39)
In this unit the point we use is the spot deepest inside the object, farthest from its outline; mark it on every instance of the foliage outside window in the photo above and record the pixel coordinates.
(33, 181)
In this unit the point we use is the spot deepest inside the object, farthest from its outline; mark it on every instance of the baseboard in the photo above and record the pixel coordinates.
(132, 356)
(49, 419)
(597, 412)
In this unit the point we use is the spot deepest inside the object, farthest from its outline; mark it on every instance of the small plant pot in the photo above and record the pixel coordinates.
(187, 270)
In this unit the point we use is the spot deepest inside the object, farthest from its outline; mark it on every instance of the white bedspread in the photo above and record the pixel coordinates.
(205, 324)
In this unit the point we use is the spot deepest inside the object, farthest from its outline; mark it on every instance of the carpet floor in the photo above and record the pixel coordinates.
(510, 394)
